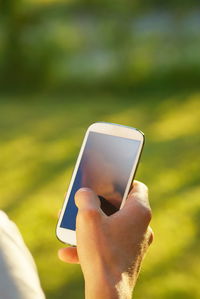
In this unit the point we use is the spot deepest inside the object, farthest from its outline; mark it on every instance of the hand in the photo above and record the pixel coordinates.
(110, 249)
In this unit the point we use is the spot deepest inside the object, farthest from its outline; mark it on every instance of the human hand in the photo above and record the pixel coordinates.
(110, 249)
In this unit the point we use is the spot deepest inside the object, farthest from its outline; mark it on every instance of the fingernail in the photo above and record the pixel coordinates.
(84, 189)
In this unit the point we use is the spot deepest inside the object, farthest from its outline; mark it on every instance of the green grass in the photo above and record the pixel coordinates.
(40, 139)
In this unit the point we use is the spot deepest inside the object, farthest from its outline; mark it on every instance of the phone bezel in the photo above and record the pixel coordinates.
(69, 236)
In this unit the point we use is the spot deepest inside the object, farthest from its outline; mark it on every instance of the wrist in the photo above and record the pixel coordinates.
(99, 290)
(108, 288)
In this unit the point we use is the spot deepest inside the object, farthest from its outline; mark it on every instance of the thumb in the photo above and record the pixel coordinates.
(86, 199)
(89, 212)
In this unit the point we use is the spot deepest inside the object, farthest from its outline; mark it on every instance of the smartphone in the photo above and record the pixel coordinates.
(107, 163)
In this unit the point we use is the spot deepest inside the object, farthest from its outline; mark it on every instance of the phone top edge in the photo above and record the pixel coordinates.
(114, 124)
(104, 122)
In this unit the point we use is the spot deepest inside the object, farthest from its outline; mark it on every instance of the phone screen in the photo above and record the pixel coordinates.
(105, 167)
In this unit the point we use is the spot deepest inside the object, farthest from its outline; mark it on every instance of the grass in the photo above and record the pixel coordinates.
(40, 139)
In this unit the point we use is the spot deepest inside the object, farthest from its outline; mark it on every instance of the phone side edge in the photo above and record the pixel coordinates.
(66, 198)
(135, 170)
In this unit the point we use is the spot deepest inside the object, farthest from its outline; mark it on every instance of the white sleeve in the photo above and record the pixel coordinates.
(18, 273)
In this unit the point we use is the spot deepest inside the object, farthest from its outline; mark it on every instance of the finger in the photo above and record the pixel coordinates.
(68, 255)
(85, 199)
(136, 209)
(138, 195)
(138, 186)
(135, 183)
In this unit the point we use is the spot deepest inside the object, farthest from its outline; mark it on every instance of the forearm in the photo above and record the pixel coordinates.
(107, 289)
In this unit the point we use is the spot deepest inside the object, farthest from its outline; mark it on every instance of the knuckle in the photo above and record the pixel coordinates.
(89, 214)
(145, 213)
(150, 235)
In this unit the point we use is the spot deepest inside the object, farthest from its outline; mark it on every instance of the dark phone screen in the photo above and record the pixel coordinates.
(105, 167)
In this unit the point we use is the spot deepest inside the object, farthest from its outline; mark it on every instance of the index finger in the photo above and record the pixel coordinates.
(136, 211)
(138, 186)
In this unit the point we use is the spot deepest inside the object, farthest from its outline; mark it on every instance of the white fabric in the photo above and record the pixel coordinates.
(18, 272)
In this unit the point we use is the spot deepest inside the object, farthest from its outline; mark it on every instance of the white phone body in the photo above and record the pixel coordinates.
(67, 235)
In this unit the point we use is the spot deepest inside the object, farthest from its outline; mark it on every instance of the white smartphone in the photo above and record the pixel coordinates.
(107, 163)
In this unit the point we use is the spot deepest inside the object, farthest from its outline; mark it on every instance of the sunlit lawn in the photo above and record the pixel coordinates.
(40, 139)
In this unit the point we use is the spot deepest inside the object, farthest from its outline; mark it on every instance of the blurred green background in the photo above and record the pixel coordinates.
(66, 64)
